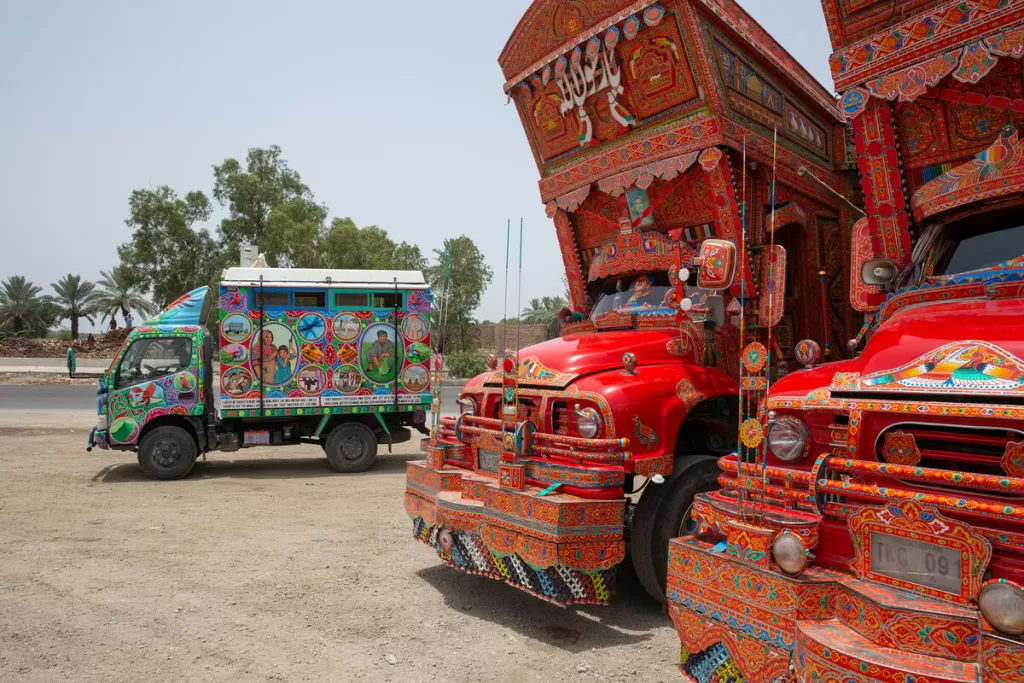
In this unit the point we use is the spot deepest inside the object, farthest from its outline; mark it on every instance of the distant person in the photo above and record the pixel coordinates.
(128, 320)
(90, 341)
(113, 323)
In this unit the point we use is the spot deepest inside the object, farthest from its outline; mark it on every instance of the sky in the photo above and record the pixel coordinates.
(393, 113)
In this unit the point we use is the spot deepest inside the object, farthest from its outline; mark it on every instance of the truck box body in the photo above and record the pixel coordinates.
(322, 342)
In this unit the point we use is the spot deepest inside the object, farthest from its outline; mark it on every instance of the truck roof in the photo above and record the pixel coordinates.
(323, 277)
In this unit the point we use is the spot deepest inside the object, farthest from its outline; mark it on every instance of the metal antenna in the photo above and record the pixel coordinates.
(504, 325)
(771, 308)
(743, 291)
(519, 299)
(504, 314)
(444, 297)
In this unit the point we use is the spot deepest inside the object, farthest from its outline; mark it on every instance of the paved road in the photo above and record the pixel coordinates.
(35, 399)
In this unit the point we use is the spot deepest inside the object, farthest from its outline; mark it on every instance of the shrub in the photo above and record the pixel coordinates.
(64, 334)
(466, 364)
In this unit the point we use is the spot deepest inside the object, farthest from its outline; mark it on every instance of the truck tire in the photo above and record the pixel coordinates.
(660, 514)
(351, 447)
(167, 453)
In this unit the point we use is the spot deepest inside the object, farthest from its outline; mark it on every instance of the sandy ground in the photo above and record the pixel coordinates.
(268, 567)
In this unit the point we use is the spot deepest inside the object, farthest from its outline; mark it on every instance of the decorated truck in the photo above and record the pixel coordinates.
(338, 358)
(664, 135)
(871, 523)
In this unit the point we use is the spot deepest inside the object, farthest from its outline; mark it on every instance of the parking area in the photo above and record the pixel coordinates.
(267, 567)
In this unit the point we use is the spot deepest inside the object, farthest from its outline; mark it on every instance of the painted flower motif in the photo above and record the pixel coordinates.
(754, 357)
(751, 433)
(330, 355)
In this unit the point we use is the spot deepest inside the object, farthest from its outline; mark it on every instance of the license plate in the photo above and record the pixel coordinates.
(918, 562)
(488, 461)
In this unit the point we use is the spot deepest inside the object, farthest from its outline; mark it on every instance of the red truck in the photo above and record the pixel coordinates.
(876, 531)
(651, 127)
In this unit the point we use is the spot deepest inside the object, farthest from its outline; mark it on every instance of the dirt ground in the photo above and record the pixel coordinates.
(267, 567)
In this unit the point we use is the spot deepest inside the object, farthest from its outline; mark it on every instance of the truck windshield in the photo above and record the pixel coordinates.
(630, 300)
(975, 252)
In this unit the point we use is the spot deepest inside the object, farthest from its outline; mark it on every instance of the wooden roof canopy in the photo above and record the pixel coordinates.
(934, 91)
(703, 68)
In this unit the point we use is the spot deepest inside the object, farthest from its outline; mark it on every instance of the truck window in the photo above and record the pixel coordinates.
(272, 299)
(974, 252)
(351, 300)
(387, 300)
(153, 358)
(310, 300)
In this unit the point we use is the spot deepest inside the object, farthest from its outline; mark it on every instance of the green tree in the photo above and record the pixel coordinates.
(295, 236)
(119, 291)
(76, 299)
(252, 194)
(345, 245)
(23, 308)
(544, 311)
(470, 276)
(167, 256)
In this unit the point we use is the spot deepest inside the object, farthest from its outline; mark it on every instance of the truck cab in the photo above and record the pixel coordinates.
(888, 488)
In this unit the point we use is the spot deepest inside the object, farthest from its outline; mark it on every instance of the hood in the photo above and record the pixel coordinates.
(966, 347)
(559, 362)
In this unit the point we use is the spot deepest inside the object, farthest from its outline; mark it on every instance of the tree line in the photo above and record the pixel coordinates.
(26, 311)
(266, 204)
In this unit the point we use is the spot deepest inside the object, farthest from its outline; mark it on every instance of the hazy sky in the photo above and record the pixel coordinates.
(392, 112)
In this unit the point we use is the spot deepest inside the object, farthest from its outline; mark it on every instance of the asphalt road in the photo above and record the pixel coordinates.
(35, 398)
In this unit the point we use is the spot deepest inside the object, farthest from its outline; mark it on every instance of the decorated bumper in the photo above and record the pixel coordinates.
(560, 547)
(906, 611)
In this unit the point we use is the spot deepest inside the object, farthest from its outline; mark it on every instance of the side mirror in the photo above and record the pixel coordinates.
(716, 264)
(878, 272)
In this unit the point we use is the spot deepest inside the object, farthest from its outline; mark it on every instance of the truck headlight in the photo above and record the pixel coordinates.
(789, 554)
(787, 437)
(467, 406)
(588, 422)
(1002, 603)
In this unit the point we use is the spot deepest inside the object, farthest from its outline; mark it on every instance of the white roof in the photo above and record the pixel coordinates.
(323, 277)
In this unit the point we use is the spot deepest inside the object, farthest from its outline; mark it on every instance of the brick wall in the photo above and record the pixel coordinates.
(491, 336)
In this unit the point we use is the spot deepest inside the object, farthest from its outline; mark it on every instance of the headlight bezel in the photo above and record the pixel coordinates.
(796, 431)
(588, 421)
(1000, 594)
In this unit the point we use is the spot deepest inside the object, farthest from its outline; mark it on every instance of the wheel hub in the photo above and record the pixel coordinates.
(352, 448)
(166, 454)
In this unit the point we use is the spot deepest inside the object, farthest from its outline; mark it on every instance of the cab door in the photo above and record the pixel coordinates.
(158, 375)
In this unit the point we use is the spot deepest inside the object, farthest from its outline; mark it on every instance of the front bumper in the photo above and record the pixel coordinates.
(561, 548)
(97, 439)
(738, 619)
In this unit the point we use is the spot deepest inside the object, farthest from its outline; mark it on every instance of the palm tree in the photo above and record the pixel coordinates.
(22, 309)
(544, 311)
(76, 299)
(119, 292)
